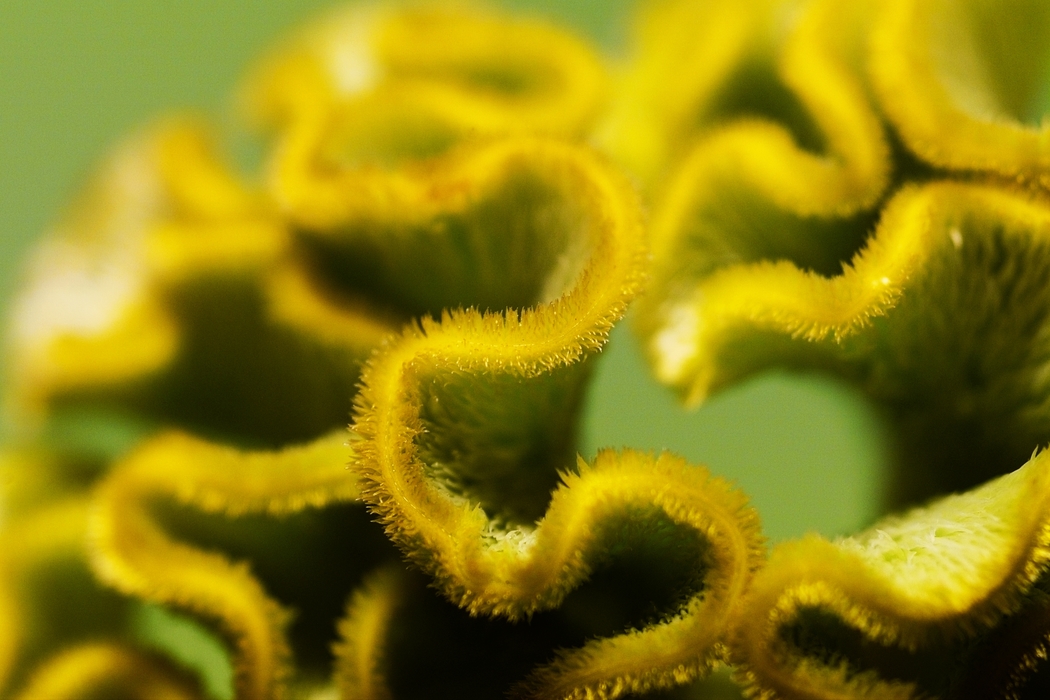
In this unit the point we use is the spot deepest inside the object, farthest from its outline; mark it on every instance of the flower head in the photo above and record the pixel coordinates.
(857, 198)
(437, 242)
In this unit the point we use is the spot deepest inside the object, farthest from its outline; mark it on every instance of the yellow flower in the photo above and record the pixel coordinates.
(861, 190)
(134, 554)
(172, 290)
(434, 249)
(861, 193)
(892, 612)
(417, 172)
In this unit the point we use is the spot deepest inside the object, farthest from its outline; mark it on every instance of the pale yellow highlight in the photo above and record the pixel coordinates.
(162, 210)
(142, 341)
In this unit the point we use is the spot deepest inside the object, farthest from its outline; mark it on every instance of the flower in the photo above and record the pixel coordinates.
(893, 611)
(449, 219)
(232, 320)
(804, 230)
(858, 197)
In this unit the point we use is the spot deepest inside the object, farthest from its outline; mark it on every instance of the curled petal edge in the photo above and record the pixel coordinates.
(855, 168)
(948, 571)
(685, 338)
(132, 553)
(552, 559)
(52, 531)
(933, 123)
(437, 60)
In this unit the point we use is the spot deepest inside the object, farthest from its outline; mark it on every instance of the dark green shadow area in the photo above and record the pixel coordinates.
(806, 449)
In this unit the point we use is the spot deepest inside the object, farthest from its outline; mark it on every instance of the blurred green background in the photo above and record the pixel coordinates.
(75, 76)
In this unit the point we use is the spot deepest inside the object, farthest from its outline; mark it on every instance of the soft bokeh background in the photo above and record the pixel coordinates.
(75, 76)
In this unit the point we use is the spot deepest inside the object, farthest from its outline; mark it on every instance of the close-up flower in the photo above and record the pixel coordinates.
(307, 397)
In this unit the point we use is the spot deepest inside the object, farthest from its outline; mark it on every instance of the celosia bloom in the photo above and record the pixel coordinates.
(861, 191)
(449, 219)
(862, 194)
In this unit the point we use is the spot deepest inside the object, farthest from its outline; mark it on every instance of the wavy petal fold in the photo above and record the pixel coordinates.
(850, 235)
(965, 83)
(519, 572)
(169, 272)
(409, 80)
(892, 611)
(133, 553)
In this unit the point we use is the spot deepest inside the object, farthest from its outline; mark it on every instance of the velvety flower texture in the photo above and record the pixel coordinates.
(454, 208)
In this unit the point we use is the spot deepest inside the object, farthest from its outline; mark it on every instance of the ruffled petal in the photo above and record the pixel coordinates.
(806, 134)
(410, 79)
(589, 519)
(964, 83)
(174, 292)
(892, 612)
(940, 318)
(450, 414)
(50, 603)
(499, 392)
(134, 554)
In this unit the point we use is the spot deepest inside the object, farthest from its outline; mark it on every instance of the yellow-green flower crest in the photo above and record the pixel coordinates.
(798, 230)
(516, 572)
(133, 553)
(892, 611)
(437, 239)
